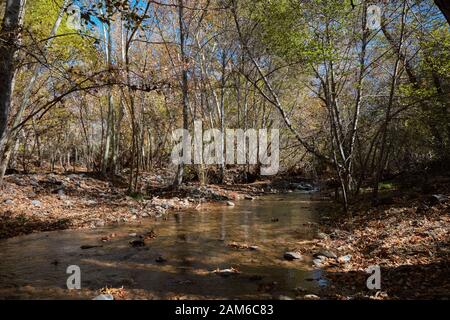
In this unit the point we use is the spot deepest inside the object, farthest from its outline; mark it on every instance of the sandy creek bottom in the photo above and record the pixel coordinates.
(193, 244)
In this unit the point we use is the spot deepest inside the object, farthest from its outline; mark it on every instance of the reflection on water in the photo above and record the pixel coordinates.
(194, 244)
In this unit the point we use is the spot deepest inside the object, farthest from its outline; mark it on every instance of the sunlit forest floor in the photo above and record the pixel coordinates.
(407, 235)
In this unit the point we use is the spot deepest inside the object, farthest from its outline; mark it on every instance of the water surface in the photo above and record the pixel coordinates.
(193, 243)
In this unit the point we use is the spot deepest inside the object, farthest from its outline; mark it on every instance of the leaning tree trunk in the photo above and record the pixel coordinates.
(9, 44)
(109, 140)
(10, 137)
(444, 6)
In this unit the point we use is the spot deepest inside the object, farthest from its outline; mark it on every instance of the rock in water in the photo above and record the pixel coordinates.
(290, 256)
(89, 247)
(227, 272)
(300, 289)
(230, 204)
(311, 297)
(318, 263)
(137, 243)
(302, 186)
(104, 297)
(326, 254)
(150, 235)
(160, 260)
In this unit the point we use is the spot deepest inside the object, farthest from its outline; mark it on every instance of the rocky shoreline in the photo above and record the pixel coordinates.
(48, 202)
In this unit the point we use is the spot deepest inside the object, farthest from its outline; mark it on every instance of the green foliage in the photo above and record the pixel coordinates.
(432, 117)
(68, 44)
(436, 51)
(296, 31)
(386, 186)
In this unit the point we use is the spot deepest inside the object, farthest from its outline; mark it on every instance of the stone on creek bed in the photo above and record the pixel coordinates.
(318, 263)
(137, 243)
(104, 297)
(326, 254)
(311, 297)
(227, 272)
(161, 259)
(292, 255)
(87, 247)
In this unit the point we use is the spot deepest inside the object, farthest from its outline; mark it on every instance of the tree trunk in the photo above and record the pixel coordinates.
(184, 86)
(109, 138)
(10, 138)
(10, 41)
(395, 77)
(444, 6)
(222, 111)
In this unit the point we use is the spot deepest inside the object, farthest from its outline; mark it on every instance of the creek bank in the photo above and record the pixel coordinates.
(47, 202)
(409, 239)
